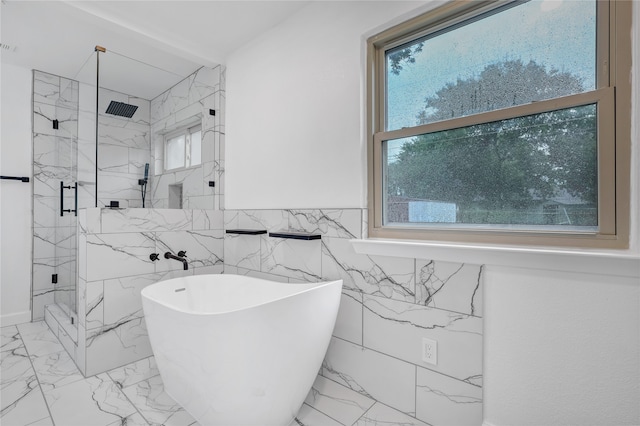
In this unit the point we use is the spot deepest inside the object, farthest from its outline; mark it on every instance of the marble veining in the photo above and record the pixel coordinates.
(94, 302)
(52, 390)
(96, 397)
(117, 344)
(345, 379)
(22, 399)
(10, 339)
(155, 405)
(381, 414)
(402, 314)
(43, 116)
(258, 219)
(388, 304)
(330, 223)
(443, 400)
(242, 251)
(55, 370)
(351, 365)
(308, 416)
(125, 133)
(445, 285)
(135, 372)
(110, 310)
(338, 402)
(118, 326)
(388, 324)
(46, 88)
(297, 259)
(137, 220)
(369, 274)
(123, 295)
(54, 98)
(204, 248)
(188, 103)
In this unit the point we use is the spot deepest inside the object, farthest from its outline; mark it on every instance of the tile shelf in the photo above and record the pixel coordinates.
(246, 231)
(295, 235)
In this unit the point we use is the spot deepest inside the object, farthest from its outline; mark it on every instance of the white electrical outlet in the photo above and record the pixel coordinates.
(429, 351)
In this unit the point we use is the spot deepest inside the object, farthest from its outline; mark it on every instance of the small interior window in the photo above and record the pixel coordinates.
(183, 148)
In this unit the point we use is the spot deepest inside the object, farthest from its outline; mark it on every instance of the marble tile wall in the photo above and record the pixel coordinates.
(388, 305)
(54, 160)
(124, 148)
(42, 386)
(68, 154)
(187, 104)
(113, 245)
(114, 266)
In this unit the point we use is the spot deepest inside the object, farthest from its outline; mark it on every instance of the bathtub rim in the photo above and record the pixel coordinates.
(305, 288)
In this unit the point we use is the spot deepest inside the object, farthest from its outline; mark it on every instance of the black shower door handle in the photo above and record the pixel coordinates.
(62, 209)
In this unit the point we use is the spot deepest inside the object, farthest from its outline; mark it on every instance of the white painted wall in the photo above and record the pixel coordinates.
(15, 196)
(294, 109)
(560, 347)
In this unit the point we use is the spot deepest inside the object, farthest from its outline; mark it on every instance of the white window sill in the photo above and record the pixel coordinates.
(622, 263)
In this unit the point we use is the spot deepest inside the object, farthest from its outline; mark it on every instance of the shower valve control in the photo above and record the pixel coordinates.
(154, 257)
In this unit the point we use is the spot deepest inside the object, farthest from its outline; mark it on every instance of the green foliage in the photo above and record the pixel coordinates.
(403, 56)
(500, 85)
(497, 172)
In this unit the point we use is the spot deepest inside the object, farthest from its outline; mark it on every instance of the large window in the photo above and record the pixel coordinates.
(502, 122)
(183, 148)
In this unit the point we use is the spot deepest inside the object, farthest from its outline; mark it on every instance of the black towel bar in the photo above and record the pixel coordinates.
(20, 178)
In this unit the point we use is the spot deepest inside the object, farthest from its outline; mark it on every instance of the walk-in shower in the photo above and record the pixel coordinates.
(91, 148)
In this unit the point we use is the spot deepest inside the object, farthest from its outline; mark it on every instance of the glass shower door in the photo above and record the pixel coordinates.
(65, 294)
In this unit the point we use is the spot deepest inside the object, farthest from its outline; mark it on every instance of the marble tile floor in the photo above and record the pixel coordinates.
(42, 386)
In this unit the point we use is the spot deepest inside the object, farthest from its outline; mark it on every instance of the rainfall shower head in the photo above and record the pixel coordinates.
(121, 109)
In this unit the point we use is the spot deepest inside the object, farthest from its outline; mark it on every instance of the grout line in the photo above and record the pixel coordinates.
(36, 376)
(121, 389)
(406, 362)
(375, 401)
(415, 392)
(320, 411)
(362, 319)
(366, 411)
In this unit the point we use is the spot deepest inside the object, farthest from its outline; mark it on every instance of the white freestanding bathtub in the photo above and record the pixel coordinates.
(236, 350)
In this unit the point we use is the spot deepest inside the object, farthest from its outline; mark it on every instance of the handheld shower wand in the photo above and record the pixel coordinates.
(143, 182)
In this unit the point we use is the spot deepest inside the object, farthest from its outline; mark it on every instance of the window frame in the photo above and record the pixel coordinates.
(612, 95)
(186, 131)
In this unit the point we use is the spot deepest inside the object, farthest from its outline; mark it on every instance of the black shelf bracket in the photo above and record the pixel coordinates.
(246, 231)
(295, 235)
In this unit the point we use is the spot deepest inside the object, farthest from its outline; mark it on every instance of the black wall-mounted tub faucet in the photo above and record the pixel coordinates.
(185, 263)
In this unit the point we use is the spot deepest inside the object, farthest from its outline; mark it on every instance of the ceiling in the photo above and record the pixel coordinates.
(151, 45)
